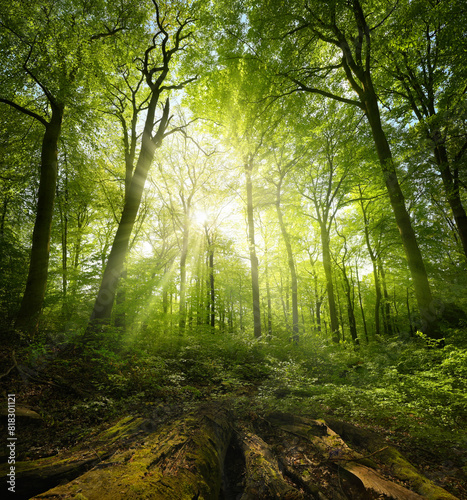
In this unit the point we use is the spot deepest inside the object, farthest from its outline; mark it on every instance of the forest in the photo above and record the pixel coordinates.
(233, 249)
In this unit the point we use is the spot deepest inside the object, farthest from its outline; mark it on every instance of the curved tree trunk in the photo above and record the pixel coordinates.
(451, 187)
(409, 239)
(36, 284)
(105, 298)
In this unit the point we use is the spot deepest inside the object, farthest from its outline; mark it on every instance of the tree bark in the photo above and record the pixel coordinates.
(31, 305)
(252, 246)
(105, 298)
(386, 306)
(451, 187)
(356, 63)
(374, 266)
(329, 283)
(290, 261)
(350, 306)
(409, 240)
(362, 310)
(183, 257)
(212, 290)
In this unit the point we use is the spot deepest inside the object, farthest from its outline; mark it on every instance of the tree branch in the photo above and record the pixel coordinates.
(325, 93)
(25, 111)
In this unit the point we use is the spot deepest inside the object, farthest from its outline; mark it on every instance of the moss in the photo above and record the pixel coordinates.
(179, 461)
(406, 471)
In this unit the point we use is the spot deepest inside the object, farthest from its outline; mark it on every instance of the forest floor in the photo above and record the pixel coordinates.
(372, 403)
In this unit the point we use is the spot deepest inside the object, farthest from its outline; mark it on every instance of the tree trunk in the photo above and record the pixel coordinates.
(31, 305)
(386, 306)
(365, 329)
(350, 307)
(409, 240)
(291, 263)
(375, 268)
(451, 187)
(329, 283)
(105, 298)
(212, 290)
(269, 306)
(252, 246)
(183, 257)
(64, 231)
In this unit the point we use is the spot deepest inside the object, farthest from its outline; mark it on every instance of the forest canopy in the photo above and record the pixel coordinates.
(292, 170)
(259, 205)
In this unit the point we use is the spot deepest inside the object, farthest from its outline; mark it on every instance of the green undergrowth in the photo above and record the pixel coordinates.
(395, 386)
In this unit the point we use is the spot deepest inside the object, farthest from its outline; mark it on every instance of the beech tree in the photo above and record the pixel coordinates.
(154, 64)
(328, 50)
(423, 81)
(49, 77)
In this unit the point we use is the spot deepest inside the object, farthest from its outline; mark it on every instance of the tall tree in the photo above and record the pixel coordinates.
(248, 165)
(154, 64)
(328, 49)
(46, 49)
(282, 169)
(427, 81)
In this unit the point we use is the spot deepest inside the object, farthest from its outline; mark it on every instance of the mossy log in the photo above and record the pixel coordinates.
(183, 460)
(263, 478)
(333, 448)
(35, 476)
(391, 457)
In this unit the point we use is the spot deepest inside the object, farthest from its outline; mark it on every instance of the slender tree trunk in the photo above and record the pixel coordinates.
(386, 306)
(359, 288)
(329, 282)
(212, 290)
(290, 261)
(350, 307)
(241, 304)
(341, 315)
(105, 298)
(36, 284)
(183, 257)
(284, 305)
(409, 315)
(318, 302)
(269, 307)
(253, 256)
(64, 231)
(373, 259)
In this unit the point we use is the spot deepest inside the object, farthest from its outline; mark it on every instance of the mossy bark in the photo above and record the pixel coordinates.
(332, 446)
(390, 456)
(264, 480)
(35, 476)
(183, 460)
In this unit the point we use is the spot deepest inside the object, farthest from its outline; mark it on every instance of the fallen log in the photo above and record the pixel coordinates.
(36, 476)
(333, 448)
(179, 461)
(263, 479)
(391, 457)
